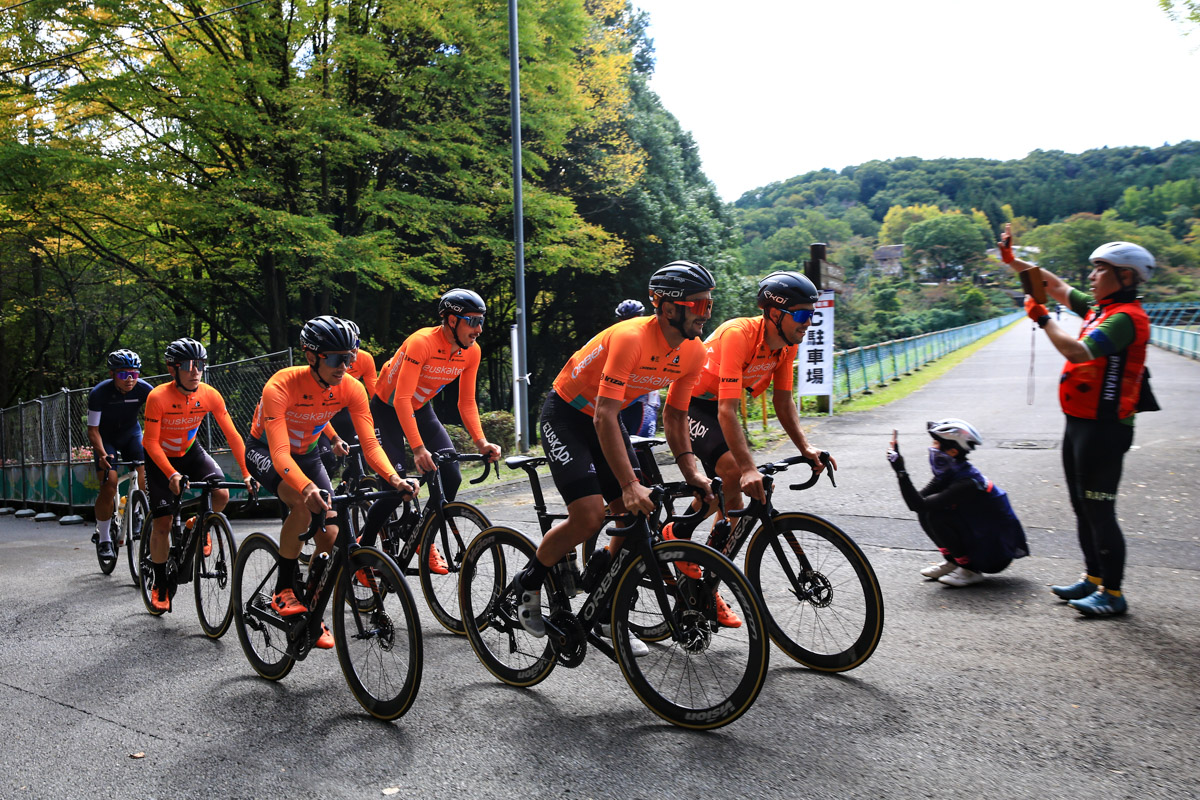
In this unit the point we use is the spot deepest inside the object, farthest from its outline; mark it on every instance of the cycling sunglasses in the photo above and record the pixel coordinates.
(188, 366)
(125, 374)
(699, 307)
(335, 360)
(473, 322)
(800, 316)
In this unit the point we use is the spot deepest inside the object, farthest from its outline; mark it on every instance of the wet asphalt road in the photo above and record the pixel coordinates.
(995, 688)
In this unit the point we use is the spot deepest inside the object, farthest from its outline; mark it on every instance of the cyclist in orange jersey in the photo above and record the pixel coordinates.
(427, 362)
(590, 456)
(296, 407)
(341, 426)
(748, 354)
(174, 412)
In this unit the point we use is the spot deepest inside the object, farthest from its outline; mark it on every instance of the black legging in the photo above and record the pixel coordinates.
(1093, 455)
(391, 437)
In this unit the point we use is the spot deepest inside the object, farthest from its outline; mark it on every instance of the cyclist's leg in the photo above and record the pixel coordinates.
(105, 500)
(206, 468)
(437, 440)
(159, 489)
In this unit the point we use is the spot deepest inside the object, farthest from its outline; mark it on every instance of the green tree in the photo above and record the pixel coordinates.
(947, 246)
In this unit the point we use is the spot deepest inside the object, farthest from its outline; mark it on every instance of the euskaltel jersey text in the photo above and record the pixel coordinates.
(293, 412)
(737, 359)
(173, 417)
(424, 365)
(627, 360)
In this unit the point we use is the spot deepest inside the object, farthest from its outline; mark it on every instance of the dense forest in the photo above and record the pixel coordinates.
(187, 168)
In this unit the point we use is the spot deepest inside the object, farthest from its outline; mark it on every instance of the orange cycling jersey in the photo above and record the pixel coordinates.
(295, 409)
(627, 360)
(173, 417)
(363, 368)
(424, 365)
(738, 358)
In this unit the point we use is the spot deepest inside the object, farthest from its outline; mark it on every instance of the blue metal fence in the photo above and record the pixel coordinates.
(863, 368)
(1176, 340)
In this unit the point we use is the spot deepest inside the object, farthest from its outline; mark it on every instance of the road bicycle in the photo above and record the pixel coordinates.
(698, 675)
(822, 601)
(376, 630)
(130, 510)
(202, 551)
(446, 526)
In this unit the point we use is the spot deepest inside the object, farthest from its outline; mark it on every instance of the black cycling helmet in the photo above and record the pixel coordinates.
(185, 349)
(678, 279)
(627, 309)
(786, 289)
(124, 359)
(325, 333)
(459, 302)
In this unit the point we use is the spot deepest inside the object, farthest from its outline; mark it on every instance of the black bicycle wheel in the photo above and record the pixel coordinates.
(146, 567)
(828, 615)
(463, 523)
(259, 629)
(137, 511)
(703, 676)
(508, 651)
(379, 646)
(212, 575)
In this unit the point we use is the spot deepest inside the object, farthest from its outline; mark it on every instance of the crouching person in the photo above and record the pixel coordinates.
(967, 516)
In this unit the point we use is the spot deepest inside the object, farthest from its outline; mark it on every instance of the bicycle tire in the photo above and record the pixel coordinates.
(463, 521)
(254, 569)
(490, 563)
(137, 511)
(704, 676)
(146, 568)
(831, 620)
(212, 576)
(379, 648)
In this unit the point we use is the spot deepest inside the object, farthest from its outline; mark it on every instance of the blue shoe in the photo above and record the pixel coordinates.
(1100, 604)
(1076, 591)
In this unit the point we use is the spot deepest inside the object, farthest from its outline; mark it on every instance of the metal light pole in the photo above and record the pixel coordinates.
(519, 356)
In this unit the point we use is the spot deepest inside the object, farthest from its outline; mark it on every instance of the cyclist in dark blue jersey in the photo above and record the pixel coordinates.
(113, 429)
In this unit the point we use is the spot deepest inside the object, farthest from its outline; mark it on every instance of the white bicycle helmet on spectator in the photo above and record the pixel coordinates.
(956, 432)
(1126, 255)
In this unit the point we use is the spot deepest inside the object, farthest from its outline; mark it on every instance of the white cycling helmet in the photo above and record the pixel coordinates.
(1127, 255)
(957, 432)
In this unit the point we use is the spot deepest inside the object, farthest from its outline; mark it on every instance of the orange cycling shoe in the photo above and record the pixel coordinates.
(726, 617)
(437, 564)
(325, 640)
(285, 604)
(207, 544)
(365, 578)
(687, 568)
(160, 599)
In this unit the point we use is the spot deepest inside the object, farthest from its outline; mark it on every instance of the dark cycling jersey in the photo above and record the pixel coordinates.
(114, 412)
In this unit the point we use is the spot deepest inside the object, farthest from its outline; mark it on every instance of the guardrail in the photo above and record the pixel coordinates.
(861, 369)
(45, 456)
(1177, 340)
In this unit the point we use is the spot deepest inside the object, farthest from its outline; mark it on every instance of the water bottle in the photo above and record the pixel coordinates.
(597, 565)
(565, 571)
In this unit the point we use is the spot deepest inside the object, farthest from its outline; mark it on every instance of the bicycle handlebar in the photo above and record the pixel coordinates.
(790, 461)
(318, 517)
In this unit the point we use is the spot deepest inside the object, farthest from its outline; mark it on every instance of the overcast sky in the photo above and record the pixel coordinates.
(775, 88)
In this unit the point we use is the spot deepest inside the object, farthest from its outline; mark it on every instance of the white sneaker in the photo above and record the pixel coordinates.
(638, 647)
(938, 570)
(529, 610)
(961, 577)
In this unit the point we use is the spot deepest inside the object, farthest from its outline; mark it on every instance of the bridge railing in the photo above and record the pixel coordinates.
(1176, 340)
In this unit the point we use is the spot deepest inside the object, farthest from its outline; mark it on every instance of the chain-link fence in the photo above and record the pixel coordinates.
(47, 459)
(861, 369)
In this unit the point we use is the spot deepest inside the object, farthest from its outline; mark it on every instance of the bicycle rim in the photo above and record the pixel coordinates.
(703, 676)
(212, 576)
(463, 523)
(506, 649)
(829, 619)
(254, 573)
(136, 514)
(378, 643)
